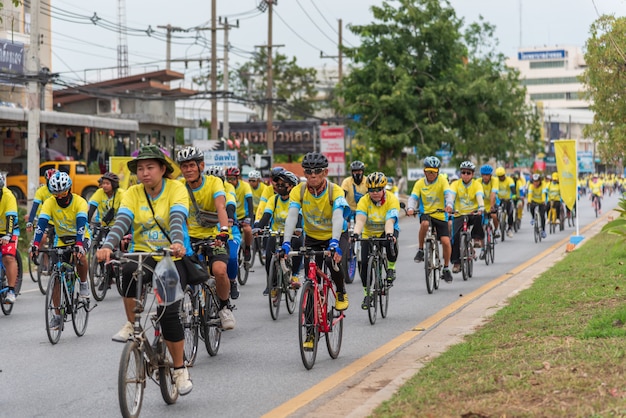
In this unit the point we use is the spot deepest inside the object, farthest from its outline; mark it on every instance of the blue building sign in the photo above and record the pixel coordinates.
(11, 57)
(541, 55)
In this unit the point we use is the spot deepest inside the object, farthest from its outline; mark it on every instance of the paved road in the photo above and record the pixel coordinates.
(258, 366)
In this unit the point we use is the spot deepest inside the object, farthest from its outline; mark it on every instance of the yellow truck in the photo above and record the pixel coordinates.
(83, 183)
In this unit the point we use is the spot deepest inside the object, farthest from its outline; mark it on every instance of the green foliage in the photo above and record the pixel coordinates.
(417, 80)
(93, 168)
(606, 86)
(618, 226)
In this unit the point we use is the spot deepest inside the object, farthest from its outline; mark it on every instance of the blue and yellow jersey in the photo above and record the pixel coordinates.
(268, 193)
(317, 211)
(353, 191)
(488, 189)
(465, 196)
(504, 188)
(41, 195)
(147, 235)
(377, 215)
(432, 197)
(537, 194)
(554, 192)
(8, 207)
(278, 209)
(243, 191)
(231, 195)
(65, 219)
(256, 194)
(520, 187)
(103, 203)
(205, 195)
(596, 187)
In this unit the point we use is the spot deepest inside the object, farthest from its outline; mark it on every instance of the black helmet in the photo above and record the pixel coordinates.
(289, 178)
(313, 160)
(112, 177)
(357, 165)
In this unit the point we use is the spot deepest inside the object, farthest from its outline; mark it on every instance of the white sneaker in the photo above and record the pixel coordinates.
(182, 381)
(10, 297)
(84, 290)
(509, 233)
(227, 318)
(125, 333)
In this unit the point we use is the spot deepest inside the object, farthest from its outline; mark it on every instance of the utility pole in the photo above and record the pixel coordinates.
(168, 42)
(213, 70)
(270, 109)
(33, 102)
(339, 56)
(227, 27)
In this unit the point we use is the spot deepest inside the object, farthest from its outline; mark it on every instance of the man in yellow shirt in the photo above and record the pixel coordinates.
(9, 233)
(506, 194)
(258, 187)
(245, 208)
(354, 186)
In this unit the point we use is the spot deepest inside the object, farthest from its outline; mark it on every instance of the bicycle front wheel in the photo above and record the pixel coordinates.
(352, 264)
(334, 335)
(244, 268)
(166, 381)
(98, 280)
(308, 330)
(131, 380)
(190, 327)
(43, 272)
(290, 293)
(429, 270)
(31, 270)
(274, 284)
(54, 332)
(383, 291)
(211, 321)
(373, 276)
(80, 310)
(465, 255)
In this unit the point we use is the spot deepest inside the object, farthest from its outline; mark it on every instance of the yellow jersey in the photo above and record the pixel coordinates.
(554, 192)
(205, 195)
(243, 191)
(8, 207)
(537, 194)
(103, 203)
(65, 219)
(489, 188)
(268, 193)
(354, 192)
(278, 209)
(256, 194)
(465, 196)
(432, 197)
(596, 187)
(504, 188)
(378, 214)
(41, 195)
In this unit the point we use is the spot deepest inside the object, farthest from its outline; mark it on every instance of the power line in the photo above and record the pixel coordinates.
(296, 33)
(315, 24)
(327, 22)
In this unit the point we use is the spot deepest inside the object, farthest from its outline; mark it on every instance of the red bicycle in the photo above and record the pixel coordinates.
(317, 314)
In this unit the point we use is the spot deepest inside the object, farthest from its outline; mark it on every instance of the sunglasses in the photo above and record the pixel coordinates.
(232, 177)
(431, 170)
(61, 195)
(467, 172)
(316, 171)
(376, 189)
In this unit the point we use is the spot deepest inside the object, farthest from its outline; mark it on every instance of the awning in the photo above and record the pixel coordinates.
(71, 119)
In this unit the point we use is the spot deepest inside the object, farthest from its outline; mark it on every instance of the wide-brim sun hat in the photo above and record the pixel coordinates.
(150, 152)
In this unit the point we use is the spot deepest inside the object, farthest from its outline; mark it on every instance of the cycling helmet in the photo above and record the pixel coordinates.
(254, 175)
(289, 178)
(357, 165)
(215, 170)
(189, 154)
(59, 182)
(555, 177)
(233, 172)
(467, 165)
(276, 171)
(3, 181)
(486, 170)
(376, 180)
(500, 172)
(49, 173)
(313, 160)
(390, 180)
(432, 162)
(112, 177)
(536, 177)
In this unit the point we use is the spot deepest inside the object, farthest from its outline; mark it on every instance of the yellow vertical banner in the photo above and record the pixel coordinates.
(567, 166)
(118, 166)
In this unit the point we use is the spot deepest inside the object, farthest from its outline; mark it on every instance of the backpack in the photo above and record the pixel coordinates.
(330, 192)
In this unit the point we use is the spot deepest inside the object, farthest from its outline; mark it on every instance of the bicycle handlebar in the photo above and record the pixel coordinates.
(308, 252)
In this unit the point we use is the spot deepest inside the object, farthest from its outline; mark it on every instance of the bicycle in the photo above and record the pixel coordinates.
(4, 284)
(377, 286)
(44, 266)
(65, 284)
(142, 358)
(536, 225)
(571, 217)
(244, 266)
(279, 279)
(258, 250)
(552, 218)
(199, 313)
(503, 221)
(317, 314)
(101, 275)
(490, 243)
(595, 202)
(467, 248)
(432, 258)
(354, 260)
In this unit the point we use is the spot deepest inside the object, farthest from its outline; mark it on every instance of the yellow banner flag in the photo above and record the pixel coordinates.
(567, 166)
(118, 166)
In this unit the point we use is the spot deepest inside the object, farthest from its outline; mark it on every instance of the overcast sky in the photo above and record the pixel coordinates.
(304, 27)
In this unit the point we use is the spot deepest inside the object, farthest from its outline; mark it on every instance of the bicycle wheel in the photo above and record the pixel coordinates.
(435, 263)
(244, 268)
(290, 293)
(562, 217)
(274, 284)
(429, 270)
(31, 270)
(334, 317)
(190, 327)
(98, 279)
(465, 255)
(43, 272)
(308, 330)
(488, 242)
(260, 250)
(6, 307)
(80, 310)
(352, 264)
(491, 253)
(115, 271)
(20, 272)
(502, 225)
(373, 277)
(383, 290)
(166, 381)
(131, 380)
(54, 334)
(211, 321)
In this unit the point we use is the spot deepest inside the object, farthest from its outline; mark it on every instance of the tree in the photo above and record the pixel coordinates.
(414, 83)
(606, 86)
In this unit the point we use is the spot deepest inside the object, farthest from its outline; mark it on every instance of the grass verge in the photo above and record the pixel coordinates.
(557, 349)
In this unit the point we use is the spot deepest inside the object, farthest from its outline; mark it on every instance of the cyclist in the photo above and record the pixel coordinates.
(206, 193)
(68, 213)
(245, 208)
(354, 187)
(554, 196)
(506, 194)
(269, 192)
(537, 197)
(520, 193)
(468, 194)
(377, 215)
(391, 186)
(235, 237)
(432, 192)
(276, 212)
(9, 233)
(41, 195)
(490, 188)
(324, 211)
(257, 186)
(106, 200)
(156, 212)
(596, 188)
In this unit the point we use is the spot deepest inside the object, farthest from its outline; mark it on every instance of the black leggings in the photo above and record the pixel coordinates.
(296, 243)
(337, 276)
(365, 254)
(170, 320)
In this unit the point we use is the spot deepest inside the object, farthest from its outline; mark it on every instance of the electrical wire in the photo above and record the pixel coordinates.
(296, 33)
(326, 20)
(315, 24)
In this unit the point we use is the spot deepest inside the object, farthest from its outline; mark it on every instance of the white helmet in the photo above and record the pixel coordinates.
(189, 154)
(59, 182)
(254, 174)
(217, 171)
